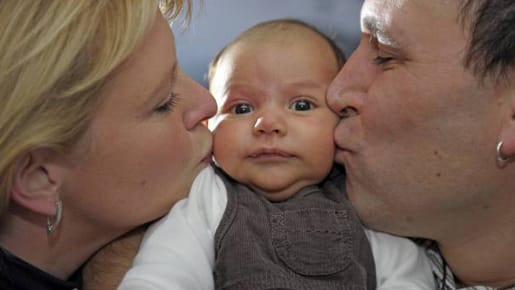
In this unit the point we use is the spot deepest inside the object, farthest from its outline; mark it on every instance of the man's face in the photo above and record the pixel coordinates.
(420, 140)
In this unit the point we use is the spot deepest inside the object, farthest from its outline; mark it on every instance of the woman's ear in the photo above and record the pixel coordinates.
(37, 180)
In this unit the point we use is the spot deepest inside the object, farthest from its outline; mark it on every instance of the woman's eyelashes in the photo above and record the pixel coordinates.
(169, 103)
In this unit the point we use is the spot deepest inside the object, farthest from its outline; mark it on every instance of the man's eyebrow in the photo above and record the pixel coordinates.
(377, 28)
(370, 23)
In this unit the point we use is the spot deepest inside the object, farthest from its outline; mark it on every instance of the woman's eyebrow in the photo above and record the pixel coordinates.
(173, 72)
(170, 75)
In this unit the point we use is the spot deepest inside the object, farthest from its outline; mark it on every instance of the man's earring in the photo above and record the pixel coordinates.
(501, 158)
(53, 222)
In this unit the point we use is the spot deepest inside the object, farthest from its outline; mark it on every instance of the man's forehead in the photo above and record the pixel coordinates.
(389, 19)
(385, 9)
(376, 19)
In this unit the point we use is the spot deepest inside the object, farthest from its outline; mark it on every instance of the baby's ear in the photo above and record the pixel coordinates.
(37, 180)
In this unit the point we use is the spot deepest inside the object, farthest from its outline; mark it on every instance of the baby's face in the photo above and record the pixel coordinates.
(274, 130)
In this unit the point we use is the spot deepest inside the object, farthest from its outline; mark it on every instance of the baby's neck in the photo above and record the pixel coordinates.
(282, 195)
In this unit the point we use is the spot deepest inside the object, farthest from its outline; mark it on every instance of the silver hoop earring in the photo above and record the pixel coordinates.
(53, 222)
(501, 158)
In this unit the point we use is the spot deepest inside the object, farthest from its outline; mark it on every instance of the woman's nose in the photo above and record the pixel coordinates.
(202, 107)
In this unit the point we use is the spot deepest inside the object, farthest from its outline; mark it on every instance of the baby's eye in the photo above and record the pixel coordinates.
(242, 108)
(301, 105)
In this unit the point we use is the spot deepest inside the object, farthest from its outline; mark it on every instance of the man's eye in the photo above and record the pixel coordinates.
(240, 109)
(379, 60)
(301, 105)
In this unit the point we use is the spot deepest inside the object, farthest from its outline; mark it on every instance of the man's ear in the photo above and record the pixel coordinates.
(37, 180)
(508, 127)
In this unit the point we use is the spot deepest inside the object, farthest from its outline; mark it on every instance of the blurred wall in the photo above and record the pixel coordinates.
(216, 22)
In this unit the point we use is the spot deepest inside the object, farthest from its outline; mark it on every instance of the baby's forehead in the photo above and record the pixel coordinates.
(282, 40)
(289, 31)
(281, 30)
(277, 42)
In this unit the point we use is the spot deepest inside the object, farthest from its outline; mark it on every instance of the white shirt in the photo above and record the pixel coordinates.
(178, 251)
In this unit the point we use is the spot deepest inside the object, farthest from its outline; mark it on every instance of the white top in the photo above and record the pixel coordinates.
(178, 252)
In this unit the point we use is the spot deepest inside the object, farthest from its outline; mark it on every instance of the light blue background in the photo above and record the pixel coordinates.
(216, 22)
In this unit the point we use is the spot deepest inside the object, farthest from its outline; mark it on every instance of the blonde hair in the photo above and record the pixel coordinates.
(55, 57)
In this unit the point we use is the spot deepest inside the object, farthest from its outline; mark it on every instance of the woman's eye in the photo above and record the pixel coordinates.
(379, 60)
(301, 105)
(240, 109)
(167, 106)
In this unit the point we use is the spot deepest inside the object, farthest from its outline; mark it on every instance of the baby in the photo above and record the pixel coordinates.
(271, 214)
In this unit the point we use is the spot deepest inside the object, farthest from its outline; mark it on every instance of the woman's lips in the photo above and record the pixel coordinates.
(207, 158)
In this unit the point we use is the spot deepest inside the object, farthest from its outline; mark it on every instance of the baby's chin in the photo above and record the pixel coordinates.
(277, 194)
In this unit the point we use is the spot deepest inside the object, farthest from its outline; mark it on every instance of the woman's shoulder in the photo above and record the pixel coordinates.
(17, 274)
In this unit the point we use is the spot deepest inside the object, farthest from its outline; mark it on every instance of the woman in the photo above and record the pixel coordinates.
(100, 131)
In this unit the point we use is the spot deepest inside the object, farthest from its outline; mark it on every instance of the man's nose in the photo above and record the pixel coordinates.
(347, 92)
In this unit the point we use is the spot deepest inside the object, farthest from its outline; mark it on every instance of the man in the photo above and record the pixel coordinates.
(428, 132)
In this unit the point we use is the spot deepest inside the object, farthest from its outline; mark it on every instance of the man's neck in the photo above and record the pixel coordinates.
(485, 258)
